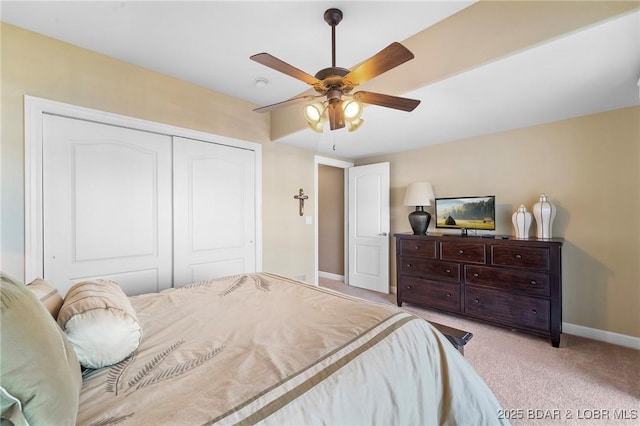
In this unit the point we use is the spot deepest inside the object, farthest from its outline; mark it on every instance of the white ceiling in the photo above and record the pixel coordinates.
(209, 43)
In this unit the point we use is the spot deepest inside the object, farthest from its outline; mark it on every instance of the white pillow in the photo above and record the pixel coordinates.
(100, 323)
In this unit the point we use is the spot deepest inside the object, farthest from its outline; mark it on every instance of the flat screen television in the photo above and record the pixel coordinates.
(477, 212)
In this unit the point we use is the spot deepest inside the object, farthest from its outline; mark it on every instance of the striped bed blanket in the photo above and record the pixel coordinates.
(265, 349)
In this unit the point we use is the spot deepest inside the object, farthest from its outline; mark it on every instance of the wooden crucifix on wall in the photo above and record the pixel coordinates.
(301, 197)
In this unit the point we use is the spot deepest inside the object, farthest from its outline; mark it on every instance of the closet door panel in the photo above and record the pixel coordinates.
(107, 205)
(216, 198)
(205, 271)
(113, 204)
(214, 211)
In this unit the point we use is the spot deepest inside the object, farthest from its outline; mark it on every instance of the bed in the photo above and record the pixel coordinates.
(266, 349)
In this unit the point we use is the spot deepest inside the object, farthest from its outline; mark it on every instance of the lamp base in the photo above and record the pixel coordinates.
(419, 221)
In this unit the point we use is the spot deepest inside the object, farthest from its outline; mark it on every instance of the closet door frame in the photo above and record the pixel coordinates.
(34, 111)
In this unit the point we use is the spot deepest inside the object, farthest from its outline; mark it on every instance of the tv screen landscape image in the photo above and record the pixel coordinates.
(466, 212)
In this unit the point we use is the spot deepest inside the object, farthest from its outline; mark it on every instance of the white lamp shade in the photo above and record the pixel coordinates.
(352, 110)
(355, 124)
(418, 194)
(313, 112)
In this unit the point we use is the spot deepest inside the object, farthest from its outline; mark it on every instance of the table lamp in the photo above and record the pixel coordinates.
(419, 194)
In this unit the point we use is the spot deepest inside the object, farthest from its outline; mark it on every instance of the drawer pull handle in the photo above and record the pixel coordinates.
(476, 300)
(417, 247)
(448, 294)
(448, 271)
(534, 312)
(475, 274)
(408, 265)
(460, 251)
(533, 282)
(518, 256)
(408, 287)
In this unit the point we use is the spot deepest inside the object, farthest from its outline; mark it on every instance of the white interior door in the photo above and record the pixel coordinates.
(107, 205)
(214, 211)
(369, 227)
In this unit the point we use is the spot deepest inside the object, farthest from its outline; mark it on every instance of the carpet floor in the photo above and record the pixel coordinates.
(583, 382)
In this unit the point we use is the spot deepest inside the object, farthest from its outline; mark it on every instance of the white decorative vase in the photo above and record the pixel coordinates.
(544, 212)
(522, 222)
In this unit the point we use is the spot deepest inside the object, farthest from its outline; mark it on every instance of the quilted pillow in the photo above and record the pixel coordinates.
(40, 373)
(48, 295)
(100, 323)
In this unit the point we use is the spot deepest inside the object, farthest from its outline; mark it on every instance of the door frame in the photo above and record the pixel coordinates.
(327, 161)
(35, 108)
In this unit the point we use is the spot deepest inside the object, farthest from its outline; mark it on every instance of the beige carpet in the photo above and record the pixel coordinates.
(583, 382)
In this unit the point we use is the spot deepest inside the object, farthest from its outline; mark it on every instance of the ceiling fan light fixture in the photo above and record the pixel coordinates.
(345, 113)
(354, 125)
(314, 112)
(352, 110)
(317, 127)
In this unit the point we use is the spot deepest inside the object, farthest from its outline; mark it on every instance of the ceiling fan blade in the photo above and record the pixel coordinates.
(336, 116)
(404, 104)
(279, 65)
(390, 57)
(288, 102)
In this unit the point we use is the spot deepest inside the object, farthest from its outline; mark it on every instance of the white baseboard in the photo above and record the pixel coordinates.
(330, 276)
(602, 335)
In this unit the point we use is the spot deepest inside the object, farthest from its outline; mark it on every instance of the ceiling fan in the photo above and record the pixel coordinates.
(336, 84)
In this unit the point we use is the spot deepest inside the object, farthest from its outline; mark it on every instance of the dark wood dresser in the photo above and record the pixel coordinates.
(509, 282)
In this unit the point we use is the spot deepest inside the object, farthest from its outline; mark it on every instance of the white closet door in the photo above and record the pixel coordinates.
(214, 211)
(107, 205)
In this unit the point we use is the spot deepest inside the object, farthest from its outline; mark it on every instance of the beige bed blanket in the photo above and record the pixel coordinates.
(266, 349)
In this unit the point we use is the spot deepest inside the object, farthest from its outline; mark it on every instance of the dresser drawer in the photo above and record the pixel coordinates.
(533, 283)
(510, 309)
(430, 293)
(463, 252)
(521, 257)
(433, 269)
(418, 248)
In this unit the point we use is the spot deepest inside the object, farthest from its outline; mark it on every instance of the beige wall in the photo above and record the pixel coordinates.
(288, 242)
(40, 66)
(590, 169)
(331, 219)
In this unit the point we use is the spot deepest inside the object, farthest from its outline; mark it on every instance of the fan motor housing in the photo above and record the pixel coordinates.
(332, 78)
(331, 72)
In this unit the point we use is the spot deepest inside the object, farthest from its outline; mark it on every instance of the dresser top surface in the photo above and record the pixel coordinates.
(480, 239)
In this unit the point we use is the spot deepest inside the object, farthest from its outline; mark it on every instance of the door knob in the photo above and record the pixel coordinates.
(384, 234)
